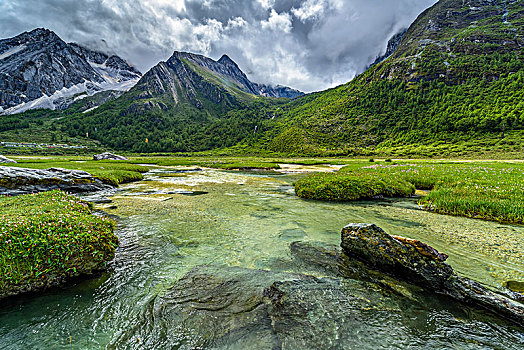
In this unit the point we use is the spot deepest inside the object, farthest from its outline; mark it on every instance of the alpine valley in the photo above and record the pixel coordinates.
(190, 207)
(452, 83)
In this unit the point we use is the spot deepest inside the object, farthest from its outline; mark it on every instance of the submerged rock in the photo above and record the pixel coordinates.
(220, 307)
(516, 290)
(108, 156)
(515, 286)
(17, 181)
(423, 265)
(210, 307)
(4, 159)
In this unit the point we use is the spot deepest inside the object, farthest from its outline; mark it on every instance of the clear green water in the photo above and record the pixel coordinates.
(249, 220)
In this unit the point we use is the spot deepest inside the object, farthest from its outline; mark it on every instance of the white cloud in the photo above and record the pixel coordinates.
(266, 4)
(311, 9)
(278, 22)
(237, 22)
(306, 44)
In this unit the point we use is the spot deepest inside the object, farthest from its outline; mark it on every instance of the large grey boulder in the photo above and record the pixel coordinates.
(17, 181)
(108, 156)
(4, 159)
(423, 265)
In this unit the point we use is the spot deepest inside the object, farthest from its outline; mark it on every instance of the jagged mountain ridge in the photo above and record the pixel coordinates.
(199, 81)
(223, 72)
(40, 70)
(181, 104)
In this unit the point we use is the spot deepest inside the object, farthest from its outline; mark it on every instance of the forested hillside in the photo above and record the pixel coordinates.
(457, 75)
(181, 105)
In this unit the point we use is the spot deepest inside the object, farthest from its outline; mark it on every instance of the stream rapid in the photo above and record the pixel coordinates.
(177, 219)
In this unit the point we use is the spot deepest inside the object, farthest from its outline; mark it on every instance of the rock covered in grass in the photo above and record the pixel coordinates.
(4, 159)
(49, 238)
(17, 181)
(108, 156)
(423, 265)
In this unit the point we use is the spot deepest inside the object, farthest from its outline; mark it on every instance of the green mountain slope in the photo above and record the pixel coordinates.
(180, 105)
(458, 75)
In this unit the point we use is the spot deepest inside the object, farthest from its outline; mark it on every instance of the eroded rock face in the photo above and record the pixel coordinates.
(108, 156)
(421, 264)
(17, 181)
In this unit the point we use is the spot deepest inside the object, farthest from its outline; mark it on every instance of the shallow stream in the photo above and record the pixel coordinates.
(174, 221)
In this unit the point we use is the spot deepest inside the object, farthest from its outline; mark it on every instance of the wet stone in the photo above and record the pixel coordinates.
(292, 233)
(17, 181)
(422, 265)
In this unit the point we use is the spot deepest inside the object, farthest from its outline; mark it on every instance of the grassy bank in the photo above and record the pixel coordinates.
(351, 186)
(479, 189)
(49, 237)
(492, 191)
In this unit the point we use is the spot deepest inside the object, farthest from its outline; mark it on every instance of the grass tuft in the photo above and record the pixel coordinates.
(49, 237)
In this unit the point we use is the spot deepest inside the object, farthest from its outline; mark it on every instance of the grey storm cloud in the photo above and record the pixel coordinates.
(306, 44)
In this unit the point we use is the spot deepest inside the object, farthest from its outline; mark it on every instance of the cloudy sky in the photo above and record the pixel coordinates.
(306, 44)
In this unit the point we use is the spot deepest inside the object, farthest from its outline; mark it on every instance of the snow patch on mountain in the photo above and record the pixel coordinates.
(66, 96)
(12, 51)
(40, 70)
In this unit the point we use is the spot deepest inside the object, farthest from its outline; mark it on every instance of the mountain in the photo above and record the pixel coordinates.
(186, 73)
(454, 82)
(457, 76)
(40, 70)
(393, 43)
(182, 104)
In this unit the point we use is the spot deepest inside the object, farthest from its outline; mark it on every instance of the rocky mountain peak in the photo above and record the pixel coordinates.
(227, 61)
(40, 70)
(39, 33)
(228, 69)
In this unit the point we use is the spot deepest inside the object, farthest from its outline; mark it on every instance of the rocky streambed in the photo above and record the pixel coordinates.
(247, 264)
(232, 307)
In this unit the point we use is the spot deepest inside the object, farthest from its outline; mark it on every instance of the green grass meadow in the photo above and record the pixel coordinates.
(485, 190)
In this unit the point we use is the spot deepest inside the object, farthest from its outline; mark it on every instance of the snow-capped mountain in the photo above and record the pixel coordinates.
(40, 70)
